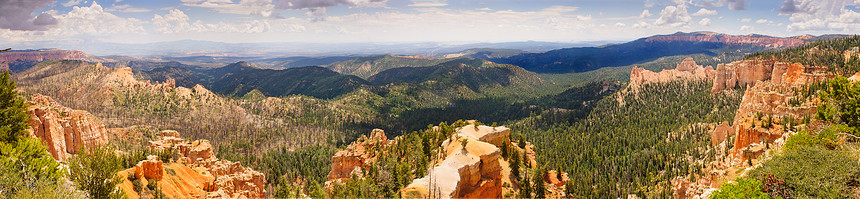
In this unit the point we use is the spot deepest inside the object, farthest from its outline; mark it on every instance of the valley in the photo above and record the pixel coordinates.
(685, 115)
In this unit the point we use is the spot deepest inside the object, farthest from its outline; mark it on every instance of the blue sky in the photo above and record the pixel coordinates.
(335, 21)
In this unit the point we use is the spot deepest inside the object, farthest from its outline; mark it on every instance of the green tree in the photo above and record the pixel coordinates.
(744, 188)
(94, 171)
(13, 114)
(539, 189)
(26, 168)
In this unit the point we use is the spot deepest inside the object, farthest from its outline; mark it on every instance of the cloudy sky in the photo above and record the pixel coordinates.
(333, 21)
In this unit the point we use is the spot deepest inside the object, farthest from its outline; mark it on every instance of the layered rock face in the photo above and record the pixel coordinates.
(36, 56)
(749, 72)
(473, 171)
(63, 130)
(687, 69)
(203, 174)
(769, 42)
(349, 162)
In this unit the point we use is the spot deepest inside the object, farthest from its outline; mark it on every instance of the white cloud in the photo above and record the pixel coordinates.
(746, 20)
(705, 12)
(263, 8)
(485, 9)
(619, 24)
(94, 20)
(428, 3)
(645, 14)
(71, 3)
(80, 22)
(763, 21)
(746, 28)
(820, 15)
(126, 8)
(641, 24)
(705, 22)
(177, 21)
(674, 16)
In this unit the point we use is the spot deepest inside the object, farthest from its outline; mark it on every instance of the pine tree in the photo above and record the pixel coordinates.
(526, 189)
(13, 114)
(539, 189)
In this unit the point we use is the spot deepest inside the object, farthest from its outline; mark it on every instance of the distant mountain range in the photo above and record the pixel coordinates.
(209, 48)
(583, 59)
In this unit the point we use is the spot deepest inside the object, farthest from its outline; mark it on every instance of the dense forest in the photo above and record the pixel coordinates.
(631, 144)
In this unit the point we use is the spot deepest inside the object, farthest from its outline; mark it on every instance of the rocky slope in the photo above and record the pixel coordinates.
(63, 130)
(195, 173)
(774, 106)
(469, 165)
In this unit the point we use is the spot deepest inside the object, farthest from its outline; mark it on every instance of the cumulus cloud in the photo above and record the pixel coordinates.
(428, 3)
(176, 21)
(674, 16)
(822, 15)
(17, 15)
(44, 19)
(705, 22)
(263, 8)
(645, 14)
(763, 21)
(94, 20)
(746, 28)
(705, 12)
(71, 3)
(746, 20)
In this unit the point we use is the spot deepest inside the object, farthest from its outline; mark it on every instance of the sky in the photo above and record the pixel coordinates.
(394, 21)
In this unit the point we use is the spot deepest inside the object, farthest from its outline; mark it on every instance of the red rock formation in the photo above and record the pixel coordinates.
(36, 56)
(151, 168)
(686, 70)
(62, 129)
(473, 171)
(769, 42)
(345, 163)
(720, 133)
(748, 72)
(214, 178)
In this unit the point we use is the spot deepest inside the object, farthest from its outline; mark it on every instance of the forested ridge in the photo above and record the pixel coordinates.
(635, 145)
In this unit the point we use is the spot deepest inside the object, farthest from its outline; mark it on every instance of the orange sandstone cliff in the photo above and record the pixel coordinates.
(63, 130)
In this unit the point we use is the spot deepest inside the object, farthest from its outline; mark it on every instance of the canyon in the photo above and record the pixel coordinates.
(196, 172)
(772, 108)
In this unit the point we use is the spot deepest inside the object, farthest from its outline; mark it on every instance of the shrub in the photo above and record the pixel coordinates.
(94, 171)
(743, 188)
(812, 171)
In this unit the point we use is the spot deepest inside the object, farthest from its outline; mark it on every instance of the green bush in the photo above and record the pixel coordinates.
(137, 185)
(827, 137)
(743, 188)
(151, 184)
(94, 171)
(812, 171)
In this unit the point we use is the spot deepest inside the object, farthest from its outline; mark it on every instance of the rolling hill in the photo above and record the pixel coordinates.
(646, 49)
